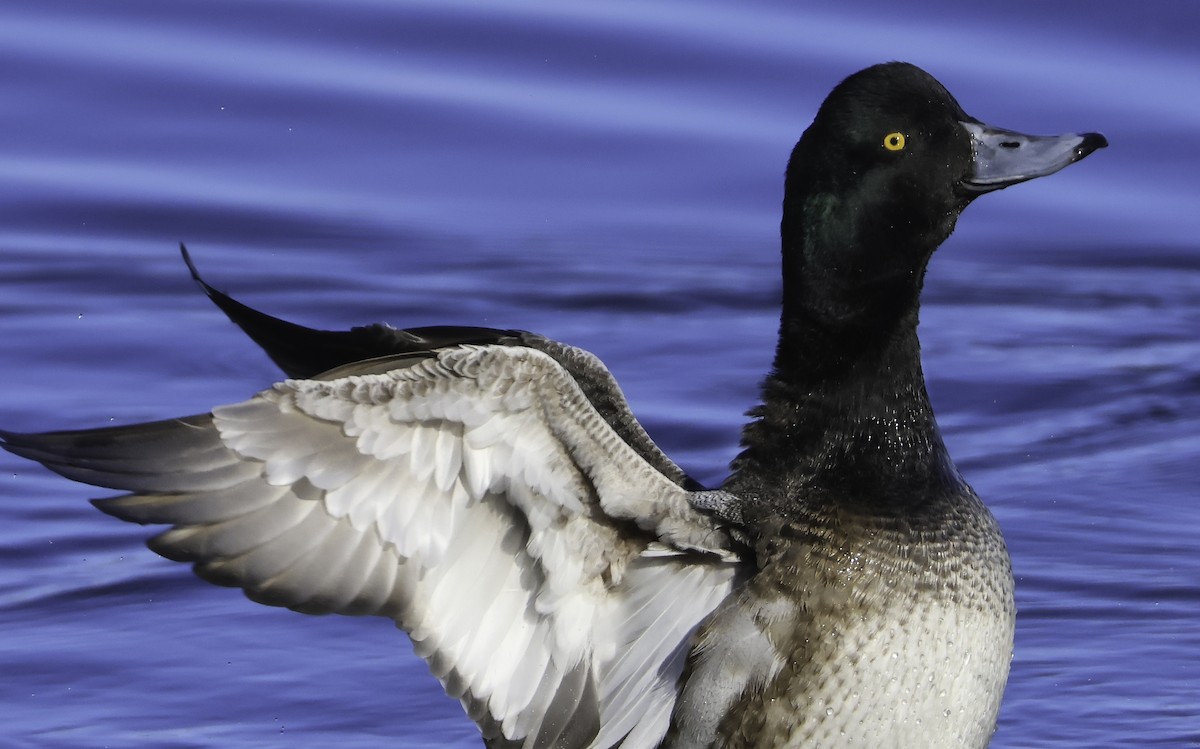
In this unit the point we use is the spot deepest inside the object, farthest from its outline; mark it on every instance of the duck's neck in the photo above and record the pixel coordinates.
(845, 414)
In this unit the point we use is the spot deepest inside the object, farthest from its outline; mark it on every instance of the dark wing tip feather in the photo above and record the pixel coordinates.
(299, 351)
(169, 455)
(108, 445)
(305, 353)
(124, 507)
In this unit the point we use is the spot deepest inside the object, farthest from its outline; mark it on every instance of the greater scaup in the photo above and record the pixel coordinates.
(491, 492)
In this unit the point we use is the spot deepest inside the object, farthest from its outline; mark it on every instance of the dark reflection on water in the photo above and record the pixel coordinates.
(607, 174)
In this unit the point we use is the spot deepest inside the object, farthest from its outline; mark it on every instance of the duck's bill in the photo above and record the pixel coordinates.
(1004, 157)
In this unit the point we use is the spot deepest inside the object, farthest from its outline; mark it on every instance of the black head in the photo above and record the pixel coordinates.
(877, 182)
(888, 137)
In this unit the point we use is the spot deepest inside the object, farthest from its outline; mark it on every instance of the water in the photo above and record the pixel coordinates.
(608, 174)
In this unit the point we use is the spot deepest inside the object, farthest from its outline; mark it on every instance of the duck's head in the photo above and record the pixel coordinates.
(877, 182)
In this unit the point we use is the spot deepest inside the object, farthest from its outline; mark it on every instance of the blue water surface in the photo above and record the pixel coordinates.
(609, 174)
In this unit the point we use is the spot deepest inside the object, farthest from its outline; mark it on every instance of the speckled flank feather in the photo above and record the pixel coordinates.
(881, 633)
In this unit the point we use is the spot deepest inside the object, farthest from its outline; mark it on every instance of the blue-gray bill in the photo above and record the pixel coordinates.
(1005, 157)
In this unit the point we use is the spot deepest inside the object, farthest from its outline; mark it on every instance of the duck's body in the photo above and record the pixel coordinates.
(883, 585)
(491, 492)
(858, 630)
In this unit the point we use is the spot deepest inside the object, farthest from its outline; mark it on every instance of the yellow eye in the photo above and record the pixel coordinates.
(894, 141)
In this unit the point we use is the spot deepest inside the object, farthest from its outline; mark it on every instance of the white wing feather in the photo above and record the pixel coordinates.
(477, 498)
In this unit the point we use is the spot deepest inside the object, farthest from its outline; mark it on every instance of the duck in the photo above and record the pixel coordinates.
(492, 493)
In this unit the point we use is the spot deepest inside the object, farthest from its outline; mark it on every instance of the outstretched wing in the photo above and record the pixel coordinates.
(548, 573)
(306, 353)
